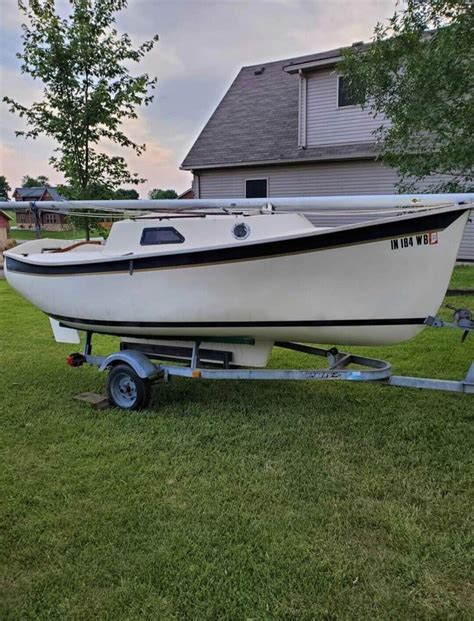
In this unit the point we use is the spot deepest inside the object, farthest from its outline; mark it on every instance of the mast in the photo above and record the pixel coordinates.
(295, 203)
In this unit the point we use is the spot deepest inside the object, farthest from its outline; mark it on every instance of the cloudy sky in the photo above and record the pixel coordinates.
(203, 44)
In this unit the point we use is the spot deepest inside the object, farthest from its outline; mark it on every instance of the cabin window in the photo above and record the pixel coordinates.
(344, 98)
(256, 188)
(161, 235)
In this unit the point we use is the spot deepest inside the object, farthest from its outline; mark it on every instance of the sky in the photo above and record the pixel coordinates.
(202, 46)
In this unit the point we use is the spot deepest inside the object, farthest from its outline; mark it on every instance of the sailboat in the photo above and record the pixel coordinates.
(253, 270)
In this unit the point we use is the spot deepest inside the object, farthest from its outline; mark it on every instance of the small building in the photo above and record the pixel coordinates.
(49, 221)
(290, 128)
(4, 227)
(187, 194)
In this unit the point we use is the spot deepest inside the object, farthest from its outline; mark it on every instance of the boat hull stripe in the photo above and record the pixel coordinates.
(260, 250)
(299, 323)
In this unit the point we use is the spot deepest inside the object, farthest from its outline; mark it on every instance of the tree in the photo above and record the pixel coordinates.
(78, 221)
(4, 188)
(88, 91)
(97, 191)
(157, 194)
(34, 182)
(126, 195)
(418, 74)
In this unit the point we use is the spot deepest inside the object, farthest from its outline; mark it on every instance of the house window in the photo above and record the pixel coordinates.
(161, 235)
(50, 218)
(256, 188)
(344, 98)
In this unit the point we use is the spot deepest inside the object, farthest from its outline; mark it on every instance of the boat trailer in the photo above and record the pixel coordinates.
(132, 370)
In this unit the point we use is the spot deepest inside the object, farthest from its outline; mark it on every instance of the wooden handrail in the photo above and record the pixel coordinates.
(76, 245)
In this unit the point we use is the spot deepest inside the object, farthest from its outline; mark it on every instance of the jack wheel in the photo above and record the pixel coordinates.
(126, 390)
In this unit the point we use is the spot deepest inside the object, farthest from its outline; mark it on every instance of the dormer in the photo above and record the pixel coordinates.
(327, 115)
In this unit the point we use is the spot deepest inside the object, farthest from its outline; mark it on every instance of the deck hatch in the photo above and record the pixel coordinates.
(160, 235)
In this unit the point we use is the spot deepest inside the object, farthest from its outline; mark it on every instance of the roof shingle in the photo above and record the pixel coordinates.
(36, 193)
(256, 122)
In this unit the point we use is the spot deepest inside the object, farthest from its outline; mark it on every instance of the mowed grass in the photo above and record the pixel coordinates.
(24, 234)
(233, 500)
(463, 277)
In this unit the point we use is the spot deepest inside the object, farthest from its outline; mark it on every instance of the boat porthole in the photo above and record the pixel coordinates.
(241, 230)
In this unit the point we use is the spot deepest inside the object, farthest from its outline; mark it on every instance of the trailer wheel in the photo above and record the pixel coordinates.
(126, 389)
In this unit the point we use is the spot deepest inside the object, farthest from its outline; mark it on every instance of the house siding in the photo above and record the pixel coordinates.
(326, 124)
(25, 220)
(466, 251)
(354, 177)
(318, 179)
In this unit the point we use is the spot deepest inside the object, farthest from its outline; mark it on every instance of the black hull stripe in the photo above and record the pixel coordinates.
(241, 324)
(266, 249)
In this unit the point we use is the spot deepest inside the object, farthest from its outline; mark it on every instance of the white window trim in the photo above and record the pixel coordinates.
(257, 179)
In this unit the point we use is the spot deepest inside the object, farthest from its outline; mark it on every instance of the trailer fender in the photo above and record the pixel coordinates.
(140, 363)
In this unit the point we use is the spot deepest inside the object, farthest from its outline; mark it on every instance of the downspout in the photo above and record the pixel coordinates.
(302, 111)
(197, 184)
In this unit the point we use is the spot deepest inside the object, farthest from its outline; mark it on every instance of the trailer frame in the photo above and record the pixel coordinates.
(131, 371)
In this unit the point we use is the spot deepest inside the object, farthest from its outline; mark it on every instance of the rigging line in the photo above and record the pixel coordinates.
(81, 214)
(91, 204)
(227, 211)
(70, 208)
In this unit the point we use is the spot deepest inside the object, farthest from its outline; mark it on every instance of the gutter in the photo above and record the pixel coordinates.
(310, 65)
(306, 160)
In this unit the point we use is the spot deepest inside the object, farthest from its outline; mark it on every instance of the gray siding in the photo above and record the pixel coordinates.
(340, 178)
(326, 124)
(466, 252)
(357, 177)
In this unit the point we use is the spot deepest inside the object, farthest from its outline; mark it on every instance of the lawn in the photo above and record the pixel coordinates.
(463, 277)
(23, 234)
(231, 500)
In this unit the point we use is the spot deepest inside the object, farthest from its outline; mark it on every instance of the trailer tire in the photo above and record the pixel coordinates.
(126, 390)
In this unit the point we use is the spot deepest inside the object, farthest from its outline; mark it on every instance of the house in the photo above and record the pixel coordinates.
(5, 240)
(289, 128)
(187, 194)
(49, 221)
(4, 227)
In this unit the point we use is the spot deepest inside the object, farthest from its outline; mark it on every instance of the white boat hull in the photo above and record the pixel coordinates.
(378, 290)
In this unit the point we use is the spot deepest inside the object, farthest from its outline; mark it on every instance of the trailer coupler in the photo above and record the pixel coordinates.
(75, 360)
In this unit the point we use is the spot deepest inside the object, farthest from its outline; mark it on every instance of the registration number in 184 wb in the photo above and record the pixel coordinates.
(424, 239)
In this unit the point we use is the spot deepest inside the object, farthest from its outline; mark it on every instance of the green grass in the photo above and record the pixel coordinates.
(73, 234)
(24, 234)
(232, 500)
(463, 277)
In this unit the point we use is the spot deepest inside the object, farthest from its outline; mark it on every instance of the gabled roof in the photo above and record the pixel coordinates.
(7, 215)
(27, 194)
(189, 193)
(257, 121)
